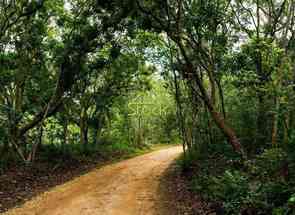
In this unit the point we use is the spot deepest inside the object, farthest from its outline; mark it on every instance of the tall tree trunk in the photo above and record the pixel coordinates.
(278, 86)
(275, 123)
(14, 120)
(217, 117)
(209, 121)
(179, 112)
(14, 140)
(139, 133)
(96, 135)
(36, 145)
(84, 129)
(221, 97)
(286, 128)
(65, 134)
(212, 85)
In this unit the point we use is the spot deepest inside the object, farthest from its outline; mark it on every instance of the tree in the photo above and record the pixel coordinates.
(199, 30)
(68, 38)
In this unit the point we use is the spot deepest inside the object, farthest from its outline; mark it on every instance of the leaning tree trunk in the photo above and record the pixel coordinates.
(228, 131)
(217, 117)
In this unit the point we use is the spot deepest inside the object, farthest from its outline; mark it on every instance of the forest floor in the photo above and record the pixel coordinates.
(137, 186)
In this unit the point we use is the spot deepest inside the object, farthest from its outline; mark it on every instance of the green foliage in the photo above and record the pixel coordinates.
(188, 161)
(232, 188)
(144, 118)
(270, 162)
(258, 185)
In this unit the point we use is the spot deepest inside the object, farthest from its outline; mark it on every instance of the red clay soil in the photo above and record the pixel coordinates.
(131, 187)
(21, 183)
(175, 186)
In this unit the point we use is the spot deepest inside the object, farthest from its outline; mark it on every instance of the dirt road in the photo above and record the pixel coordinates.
(129, 187)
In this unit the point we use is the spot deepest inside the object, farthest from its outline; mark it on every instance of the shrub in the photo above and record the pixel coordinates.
(270, 162)
(256, 189)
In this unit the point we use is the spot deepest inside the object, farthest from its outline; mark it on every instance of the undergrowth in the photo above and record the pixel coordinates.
(262, 185)
(55, 154)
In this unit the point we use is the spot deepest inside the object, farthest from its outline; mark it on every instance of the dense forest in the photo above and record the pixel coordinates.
(86, 78)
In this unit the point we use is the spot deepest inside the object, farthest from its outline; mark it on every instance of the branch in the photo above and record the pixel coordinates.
(149, 13)
(6, 25)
